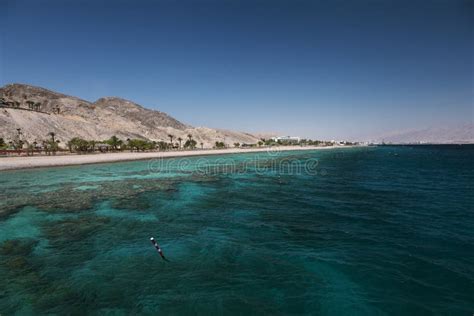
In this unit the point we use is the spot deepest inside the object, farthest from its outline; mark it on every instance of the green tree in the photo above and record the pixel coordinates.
(29, 149)
(140, 144)
(236, 145)
(219, 145)
(162, 145)
(53, 145)
(78, 145)
(115, 142)
(190, 143)
(52, 134)
(133, 144)
(18, 142)
(180, 140)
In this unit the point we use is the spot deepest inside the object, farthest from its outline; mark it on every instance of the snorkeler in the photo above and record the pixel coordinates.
(158, 248)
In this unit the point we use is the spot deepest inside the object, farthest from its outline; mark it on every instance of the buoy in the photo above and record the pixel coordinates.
(158, 248)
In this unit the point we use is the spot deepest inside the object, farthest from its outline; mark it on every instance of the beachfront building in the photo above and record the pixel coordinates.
(286, 139)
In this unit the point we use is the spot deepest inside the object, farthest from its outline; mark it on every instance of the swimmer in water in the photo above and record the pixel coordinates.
(158, 248)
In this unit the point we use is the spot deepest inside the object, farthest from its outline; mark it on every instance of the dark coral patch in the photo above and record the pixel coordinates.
(19, 247)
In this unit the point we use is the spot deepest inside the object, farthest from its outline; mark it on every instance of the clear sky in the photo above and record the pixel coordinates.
(319, 69)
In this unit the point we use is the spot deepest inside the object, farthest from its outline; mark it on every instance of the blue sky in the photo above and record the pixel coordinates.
(319, 69)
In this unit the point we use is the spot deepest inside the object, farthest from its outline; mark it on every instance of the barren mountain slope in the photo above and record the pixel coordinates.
(96, 121)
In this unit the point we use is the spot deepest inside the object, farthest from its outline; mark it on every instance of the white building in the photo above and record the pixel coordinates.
(287, 139)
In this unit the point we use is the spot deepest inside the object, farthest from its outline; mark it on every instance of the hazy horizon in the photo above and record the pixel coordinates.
(314, 69)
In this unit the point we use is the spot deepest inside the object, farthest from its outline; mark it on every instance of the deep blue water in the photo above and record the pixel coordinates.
(356, 231)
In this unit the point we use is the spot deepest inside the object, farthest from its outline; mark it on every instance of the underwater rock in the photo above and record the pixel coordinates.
(16, 263)
(67, 198)
(8, 210)
(75, 228)
(22, 247)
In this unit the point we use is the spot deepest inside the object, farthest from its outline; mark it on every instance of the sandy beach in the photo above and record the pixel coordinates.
(26, 162)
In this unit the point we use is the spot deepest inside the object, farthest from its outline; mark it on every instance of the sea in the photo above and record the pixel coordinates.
(385, 230)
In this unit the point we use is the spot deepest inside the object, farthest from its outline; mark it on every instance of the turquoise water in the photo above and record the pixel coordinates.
(356, 231)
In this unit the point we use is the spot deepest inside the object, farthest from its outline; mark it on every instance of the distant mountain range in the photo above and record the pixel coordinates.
(39, 111)
(462, 134)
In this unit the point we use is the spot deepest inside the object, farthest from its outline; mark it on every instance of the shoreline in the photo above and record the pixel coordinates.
(31, 162)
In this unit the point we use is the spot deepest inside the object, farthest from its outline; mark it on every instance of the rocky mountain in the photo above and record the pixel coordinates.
(38, 111)
(461, 134)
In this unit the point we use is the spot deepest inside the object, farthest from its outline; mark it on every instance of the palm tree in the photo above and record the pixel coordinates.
(53, 142)
(162, 145)
(18, 143)
(202, 145)
(114, 141)
(171, 139)
(56, 146)
(190, 137)
(180, 140)
(45, 147)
